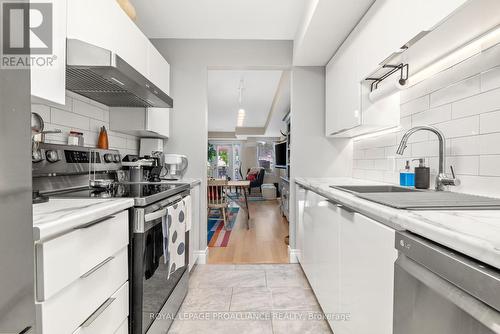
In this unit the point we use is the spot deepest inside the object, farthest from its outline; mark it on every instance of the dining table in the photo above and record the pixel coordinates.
(242, 185)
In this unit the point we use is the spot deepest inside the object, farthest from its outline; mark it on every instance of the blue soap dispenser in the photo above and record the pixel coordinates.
(406, 177)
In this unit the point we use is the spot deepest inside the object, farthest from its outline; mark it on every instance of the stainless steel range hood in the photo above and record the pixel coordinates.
(103, 76)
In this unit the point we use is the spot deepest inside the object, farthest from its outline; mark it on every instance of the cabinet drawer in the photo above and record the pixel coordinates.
(68, 309)
(109, 316)
(123, 329)
(61, 261)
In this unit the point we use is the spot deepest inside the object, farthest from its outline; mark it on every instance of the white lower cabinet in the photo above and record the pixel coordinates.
(82, 279)
(110, 316)
(367, 256)
(348, 259)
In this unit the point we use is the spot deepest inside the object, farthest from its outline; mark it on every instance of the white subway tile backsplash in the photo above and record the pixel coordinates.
(432, 116)
(383, 164)
(462, 101)
(416, 91)
(375, 153)
(479, 185)
(358, 154)
(477, 104)
(457, 91)
(42, 110)
(358, 173)
(489, 165)
(425, 149)
(95, 125)
(461, 127)
(490, 79)
(363, 164)
(490, 122)
(84, 115)
(464, 165)
(132, 144)
(464, 146)
(489, 143)
(88, 110)
(415, 106)
(69, 119)
(117, 142)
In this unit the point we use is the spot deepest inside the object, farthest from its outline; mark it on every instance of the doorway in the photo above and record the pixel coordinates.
(246, 112)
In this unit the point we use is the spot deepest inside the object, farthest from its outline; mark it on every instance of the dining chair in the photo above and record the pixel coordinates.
(217, 198)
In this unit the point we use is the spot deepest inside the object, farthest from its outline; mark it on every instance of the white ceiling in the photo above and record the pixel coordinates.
(220, 19)
(325, 26)
(260, 89)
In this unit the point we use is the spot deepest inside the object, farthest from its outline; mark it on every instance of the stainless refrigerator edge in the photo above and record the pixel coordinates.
(17, 308)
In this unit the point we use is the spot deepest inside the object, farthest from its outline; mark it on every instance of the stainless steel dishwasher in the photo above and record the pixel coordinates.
(438, 290)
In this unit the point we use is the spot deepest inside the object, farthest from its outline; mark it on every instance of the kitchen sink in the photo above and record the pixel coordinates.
(375, 189)
(414, 199)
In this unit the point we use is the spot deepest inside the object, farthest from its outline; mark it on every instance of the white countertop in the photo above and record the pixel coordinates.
(475, 233)
(61, 215)
(192, 182)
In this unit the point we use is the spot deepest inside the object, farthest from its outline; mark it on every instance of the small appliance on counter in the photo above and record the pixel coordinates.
(150, 145)
(142, 169)
(176, 166)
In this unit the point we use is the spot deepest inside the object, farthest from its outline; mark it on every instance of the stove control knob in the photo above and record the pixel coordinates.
(116, 158)
(108, 157)
(52, 156)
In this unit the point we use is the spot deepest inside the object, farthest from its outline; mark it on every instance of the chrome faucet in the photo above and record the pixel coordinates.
(442, 179)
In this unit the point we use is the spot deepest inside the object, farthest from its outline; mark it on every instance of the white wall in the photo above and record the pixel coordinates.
(464, 102)
(83, 115)
(189, 60)
(313, 154)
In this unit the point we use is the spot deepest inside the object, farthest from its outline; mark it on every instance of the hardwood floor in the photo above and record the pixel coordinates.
(262, 243)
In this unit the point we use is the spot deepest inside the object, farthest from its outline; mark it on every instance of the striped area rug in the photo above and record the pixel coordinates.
(218, 236)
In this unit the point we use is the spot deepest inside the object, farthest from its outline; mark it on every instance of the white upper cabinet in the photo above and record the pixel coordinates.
(385, 28)
(158, 69)
(103, 23)
(141, 122)
(49, 81)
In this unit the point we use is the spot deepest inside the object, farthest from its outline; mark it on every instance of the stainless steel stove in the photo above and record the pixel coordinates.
(66, 171)
(144, 193)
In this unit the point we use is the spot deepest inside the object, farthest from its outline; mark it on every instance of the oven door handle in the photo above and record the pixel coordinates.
(155, 215)
(162, 212)
(478, 310)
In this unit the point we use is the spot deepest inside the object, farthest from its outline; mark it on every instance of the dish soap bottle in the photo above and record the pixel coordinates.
(406, 177)
(422, 175)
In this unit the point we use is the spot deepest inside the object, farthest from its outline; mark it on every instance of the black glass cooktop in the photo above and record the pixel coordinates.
(143, 193)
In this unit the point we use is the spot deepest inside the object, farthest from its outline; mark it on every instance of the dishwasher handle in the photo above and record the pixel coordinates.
(480, 311)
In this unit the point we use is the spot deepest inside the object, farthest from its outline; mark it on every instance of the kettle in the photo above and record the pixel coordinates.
(175, 166)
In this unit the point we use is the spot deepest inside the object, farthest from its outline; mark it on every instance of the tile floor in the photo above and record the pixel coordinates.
(261, 299)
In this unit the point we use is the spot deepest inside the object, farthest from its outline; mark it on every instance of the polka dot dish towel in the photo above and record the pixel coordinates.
(176, 224)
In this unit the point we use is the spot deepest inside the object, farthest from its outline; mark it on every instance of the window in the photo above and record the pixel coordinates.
(265, 155)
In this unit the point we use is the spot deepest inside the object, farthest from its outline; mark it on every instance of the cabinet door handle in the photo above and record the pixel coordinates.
(334, 202)
(94, 222)
(98, 312)
(26, 330)
(346, 208)
(96, 268)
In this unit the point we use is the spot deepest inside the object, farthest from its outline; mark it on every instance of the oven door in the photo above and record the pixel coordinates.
(150, 288)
